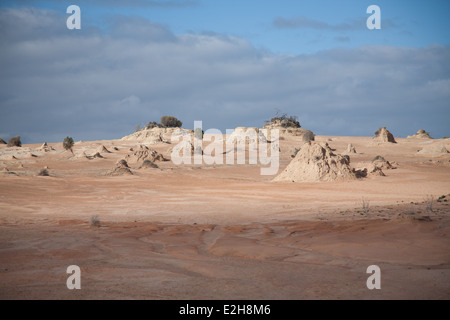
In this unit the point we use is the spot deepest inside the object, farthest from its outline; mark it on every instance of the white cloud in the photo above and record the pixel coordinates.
(93, 85)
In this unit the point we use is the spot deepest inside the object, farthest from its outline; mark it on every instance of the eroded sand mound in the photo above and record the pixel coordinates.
(121, 169)
(350, 149)
(435, 149)
(249, 134)
(144, 153)
(306, 135)
(383, 135)
(5, 172)
(15, 153)
(421, 134)
(148, 164)
(316, 162)
(376, 167)
(45, 148)
(102, 149)
(382, 163)
(157, 135)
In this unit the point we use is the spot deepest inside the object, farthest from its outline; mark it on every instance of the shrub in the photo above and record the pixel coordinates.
(137, 128)
(285, 121)
(95, 221)
(429, 203)
(152, 125)
(170, 122)
(68, 143)
(14, 142)
(365, 205)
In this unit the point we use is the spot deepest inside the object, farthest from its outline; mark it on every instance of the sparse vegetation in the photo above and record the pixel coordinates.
(68, 144)
(14, 142)
(365, 205)
(165, 122)
(170, 122)
(95, 221)
(284, 121)
(137, 128)
(152, 124)
(429, 202)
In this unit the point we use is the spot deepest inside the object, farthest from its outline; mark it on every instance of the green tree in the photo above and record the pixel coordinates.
(170, 122)
(68, 143)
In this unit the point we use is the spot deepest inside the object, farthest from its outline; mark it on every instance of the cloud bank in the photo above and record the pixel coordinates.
(92, 84)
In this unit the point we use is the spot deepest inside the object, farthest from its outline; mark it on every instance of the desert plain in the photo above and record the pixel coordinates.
(222, 231)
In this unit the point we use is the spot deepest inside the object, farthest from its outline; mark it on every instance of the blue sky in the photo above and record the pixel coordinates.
(229, 63)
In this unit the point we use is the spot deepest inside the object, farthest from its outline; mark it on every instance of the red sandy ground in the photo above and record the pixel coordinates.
(223, 231)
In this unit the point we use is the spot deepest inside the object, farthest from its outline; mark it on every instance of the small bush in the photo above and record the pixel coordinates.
(170, 122)
(429, 203)
(14, 142)
(95, 221)
(137, 128)
(365, 205)
(285, 121)
(68, 143)
(152, 124)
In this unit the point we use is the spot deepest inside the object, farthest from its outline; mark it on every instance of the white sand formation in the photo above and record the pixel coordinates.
(5, 171)
(80, 155)
(350, 149)
(157, 135)
(144, 153)
(383, 135)
(249, 135)
(102, 149)
(316, 162)
(421, 134)
(96, 155)
(376, 167)
(379, 164)
(8, 156)
(305, 134)
(434, 149)
(45, 148)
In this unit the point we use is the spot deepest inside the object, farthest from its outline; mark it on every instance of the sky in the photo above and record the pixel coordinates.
(228, 63)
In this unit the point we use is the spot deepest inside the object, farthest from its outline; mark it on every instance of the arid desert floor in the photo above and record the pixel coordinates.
(223, 231)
